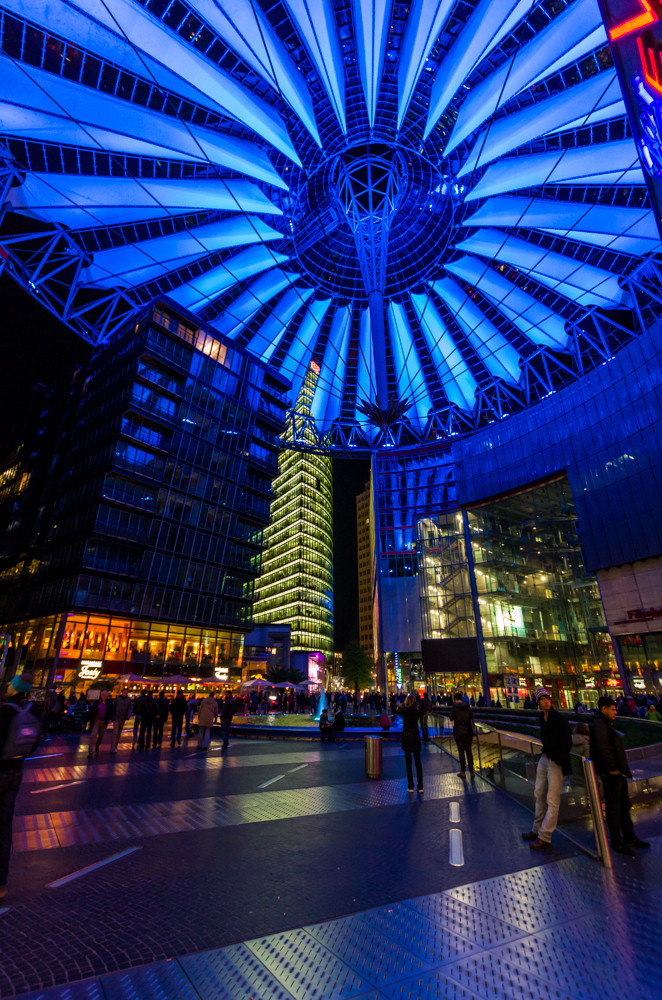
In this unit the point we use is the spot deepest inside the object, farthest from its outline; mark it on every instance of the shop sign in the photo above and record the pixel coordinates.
(640, 615)
(634, 28)
(638, 682)
(89, 670)
(611, 682)
(221, 673)
(589, 682)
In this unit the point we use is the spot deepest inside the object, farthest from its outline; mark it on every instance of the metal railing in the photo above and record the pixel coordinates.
(509, 761)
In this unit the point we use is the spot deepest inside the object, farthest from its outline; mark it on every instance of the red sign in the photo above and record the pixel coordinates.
(635, 36)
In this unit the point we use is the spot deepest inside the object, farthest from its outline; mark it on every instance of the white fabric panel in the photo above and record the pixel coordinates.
(371, 24)
(536, 321)
(137, 263)
(81, 202)
(499, 357)
(297, 359)
(327, 399)
(591, 101)
(316, 24)
(570, 36)
(159, 47)
(410, 380)
(455, 375)
(71, 21)
(489, 23)
(245, 28)
(426, 20)
(114, 124)
(613, 227)
(581, 283)
(604, 163)
(366, 380)
(201, 291)
(240, 312)
(270, 334)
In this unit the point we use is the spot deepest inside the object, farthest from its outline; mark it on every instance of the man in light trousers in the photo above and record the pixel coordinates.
(553, 766)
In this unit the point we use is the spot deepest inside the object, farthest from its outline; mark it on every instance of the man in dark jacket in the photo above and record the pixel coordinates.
(177, 712)
(11, 772)
(553, 766)
(463, 733)
(611, 763)
(227, 712)
(101, 713)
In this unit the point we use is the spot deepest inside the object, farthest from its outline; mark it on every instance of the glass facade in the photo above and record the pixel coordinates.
(296, 584)
(156, 500)
(541, 619)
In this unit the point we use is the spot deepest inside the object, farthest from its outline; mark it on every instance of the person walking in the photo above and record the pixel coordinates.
(122, 712)
(101, 713)
(553, 766)
(227, 712)
(177, 712)
(191, 706)
(425, 709)
(411, 741)
(462, 718)
(207, 715)
(611, 763)
(137, 716)
(12, 758)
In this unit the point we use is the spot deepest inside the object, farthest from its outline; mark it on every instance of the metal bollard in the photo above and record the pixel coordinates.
(373, 756)
(602, 844)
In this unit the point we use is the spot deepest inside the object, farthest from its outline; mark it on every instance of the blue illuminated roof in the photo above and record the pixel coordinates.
(438, 203)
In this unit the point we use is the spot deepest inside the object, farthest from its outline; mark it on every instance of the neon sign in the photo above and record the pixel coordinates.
(89, 670)
(634, 28)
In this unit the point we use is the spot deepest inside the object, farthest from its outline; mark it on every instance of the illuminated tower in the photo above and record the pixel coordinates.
(365, 538)
(296, 583)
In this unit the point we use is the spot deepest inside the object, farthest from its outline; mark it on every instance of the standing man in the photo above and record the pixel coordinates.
(101, 713)
(122, 711)
(463, 733)
(191, 706)
(207, 714)
(227, 712)
(611, 763)
(11, 767)
(177, 711)
(553, 766)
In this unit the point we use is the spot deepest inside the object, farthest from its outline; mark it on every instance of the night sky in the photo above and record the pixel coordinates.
(38, 348)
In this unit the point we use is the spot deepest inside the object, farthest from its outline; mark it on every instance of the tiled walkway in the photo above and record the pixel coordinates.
(281, 872)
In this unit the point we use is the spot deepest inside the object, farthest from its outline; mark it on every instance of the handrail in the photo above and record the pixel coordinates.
(604, 853)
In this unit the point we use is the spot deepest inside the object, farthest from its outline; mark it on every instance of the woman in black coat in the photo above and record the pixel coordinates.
(411, 741)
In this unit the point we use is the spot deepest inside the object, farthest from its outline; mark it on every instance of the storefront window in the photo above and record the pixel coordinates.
(175, 646)
(74, 637)
(192, 647)
(95, 638)
(138, 647)
(157, 644)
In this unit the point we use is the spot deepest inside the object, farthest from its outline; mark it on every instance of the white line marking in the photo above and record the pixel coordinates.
(67, 784)
(271, 781)
(91, 868)
(43, 756)
(455, 812)
(293, 769)
(455, 849)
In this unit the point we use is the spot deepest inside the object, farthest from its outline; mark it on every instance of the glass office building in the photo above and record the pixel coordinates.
(295, 586)
(449, 208)
(152, 510)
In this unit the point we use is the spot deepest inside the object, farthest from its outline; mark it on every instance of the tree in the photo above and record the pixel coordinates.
(356, 667)
(279, 674)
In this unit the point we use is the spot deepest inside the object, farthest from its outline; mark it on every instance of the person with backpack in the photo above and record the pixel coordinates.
(20, 730)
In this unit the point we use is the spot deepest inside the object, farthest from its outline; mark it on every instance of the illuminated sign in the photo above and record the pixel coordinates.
(89, 670)
(635, 37)
(222, 673)
(640, 615)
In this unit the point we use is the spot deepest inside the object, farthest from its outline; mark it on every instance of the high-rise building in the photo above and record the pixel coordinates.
(295, 586)
(153, 496)
(365, 545)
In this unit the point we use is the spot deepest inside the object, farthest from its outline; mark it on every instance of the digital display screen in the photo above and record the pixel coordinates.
(447, 656)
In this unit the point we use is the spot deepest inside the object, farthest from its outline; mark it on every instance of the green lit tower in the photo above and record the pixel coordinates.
(296, 583)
